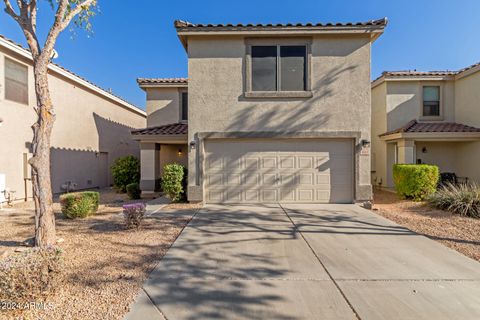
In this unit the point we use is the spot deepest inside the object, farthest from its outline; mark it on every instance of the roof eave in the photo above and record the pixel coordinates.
(406, 78)
(59, 70)
(161, 138)
(432, 136)
(145, 86)
(374, 31)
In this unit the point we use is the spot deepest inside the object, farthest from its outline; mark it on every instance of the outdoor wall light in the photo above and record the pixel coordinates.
(424, 150)
(193, 144)
(1, 122)
(365, 143)
(179, 152)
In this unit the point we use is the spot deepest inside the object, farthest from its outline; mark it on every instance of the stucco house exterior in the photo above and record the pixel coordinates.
(91, 130)
(269, 113)
(426, 117)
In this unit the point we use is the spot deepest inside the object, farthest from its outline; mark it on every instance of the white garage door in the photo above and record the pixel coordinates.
(268, 171)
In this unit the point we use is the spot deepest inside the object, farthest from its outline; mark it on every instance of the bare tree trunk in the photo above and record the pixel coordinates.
(40, 162)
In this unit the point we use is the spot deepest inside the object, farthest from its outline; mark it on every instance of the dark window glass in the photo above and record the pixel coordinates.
(16, 82)
(292, 68)
(264, 68)
(184, 105)
(431, 101)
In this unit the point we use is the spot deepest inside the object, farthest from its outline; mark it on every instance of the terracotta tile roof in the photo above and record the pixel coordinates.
(179, 24)
(416, 127)
(141, 81)
(168, 129)
(106, 91)
(415, 73)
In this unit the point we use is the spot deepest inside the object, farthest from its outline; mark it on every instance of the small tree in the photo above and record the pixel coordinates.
(25, 14)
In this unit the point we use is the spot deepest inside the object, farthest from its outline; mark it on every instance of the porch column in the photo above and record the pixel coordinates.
(406, 151)
(149, 166)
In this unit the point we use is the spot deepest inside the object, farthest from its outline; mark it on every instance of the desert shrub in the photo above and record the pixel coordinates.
(133, 215)
(133, 191)
(173, 180)
(415, 181)
(30, 275)
(79, 204)
(463, 199)
(125, 170)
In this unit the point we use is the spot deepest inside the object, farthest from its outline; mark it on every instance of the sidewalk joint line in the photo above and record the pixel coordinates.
(323, 265)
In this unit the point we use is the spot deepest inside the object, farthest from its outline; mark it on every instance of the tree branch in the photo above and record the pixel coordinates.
(24, 20)
(10, 11)
(62, 19)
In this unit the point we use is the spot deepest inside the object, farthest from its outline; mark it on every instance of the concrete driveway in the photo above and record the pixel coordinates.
(307, 262)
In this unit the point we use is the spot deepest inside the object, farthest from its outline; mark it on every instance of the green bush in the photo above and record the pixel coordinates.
(463, 199)
(125, 170)
(133, 191)
(415, 181)
(79, 204)
(30, 275)
(173, 181)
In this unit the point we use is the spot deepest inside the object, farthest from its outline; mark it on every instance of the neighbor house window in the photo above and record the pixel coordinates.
(431, 101)
(184, 110)
(16, 82)
(279, 68)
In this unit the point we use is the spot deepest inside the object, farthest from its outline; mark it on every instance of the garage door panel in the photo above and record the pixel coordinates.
(306, 178)
(234, 179)
(269, 162)
(269, 195)
(293, 170)
(287, 195)
(305, 195)
(251, 163)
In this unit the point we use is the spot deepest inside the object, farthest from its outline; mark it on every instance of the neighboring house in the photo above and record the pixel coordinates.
(276, 113)
(91, 130)
(426, 117)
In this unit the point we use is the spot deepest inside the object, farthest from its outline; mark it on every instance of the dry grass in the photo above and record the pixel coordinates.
(456, 232)
(105, 265)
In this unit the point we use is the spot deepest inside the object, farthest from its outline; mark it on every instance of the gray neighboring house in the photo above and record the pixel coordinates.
(91, 130)
(269, 113)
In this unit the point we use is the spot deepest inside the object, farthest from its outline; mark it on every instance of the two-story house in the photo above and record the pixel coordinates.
(426, 117)
(91, 130)
(269, 113)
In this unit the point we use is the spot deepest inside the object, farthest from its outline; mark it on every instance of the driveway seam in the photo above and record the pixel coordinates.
(321, 263)
(155, 305)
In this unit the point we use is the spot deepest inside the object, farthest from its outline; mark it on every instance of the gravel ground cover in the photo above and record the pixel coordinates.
(105, 265)
(456, 232)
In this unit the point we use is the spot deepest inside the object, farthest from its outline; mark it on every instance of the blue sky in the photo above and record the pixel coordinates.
(136, 38)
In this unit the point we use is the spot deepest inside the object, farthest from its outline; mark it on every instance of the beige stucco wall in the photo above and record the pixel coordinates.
(404, 101)
(442, 154)
(379, 126)
(467, 111)
(341, 96)
(90, 132)
(163, 106)
(169, 154)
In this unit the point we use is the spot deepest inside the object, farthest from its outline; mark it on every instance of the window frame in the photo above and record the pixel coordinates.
(440, 102)
(27, 102)
(249, 43)
(181, 99)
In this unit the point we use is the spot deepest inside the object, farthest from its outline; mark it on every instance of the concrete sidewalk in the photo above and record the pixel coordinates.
(307, 262)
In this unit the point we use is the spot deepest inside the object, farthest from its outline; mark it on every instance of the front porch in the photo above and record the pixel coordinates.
(450, 146)
(160, 146)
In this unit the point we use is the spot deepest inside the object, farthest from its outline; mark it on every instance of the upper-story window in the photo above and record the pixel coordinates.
(279, 68)
(16, 81)
(184, 106)
(431, 101)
